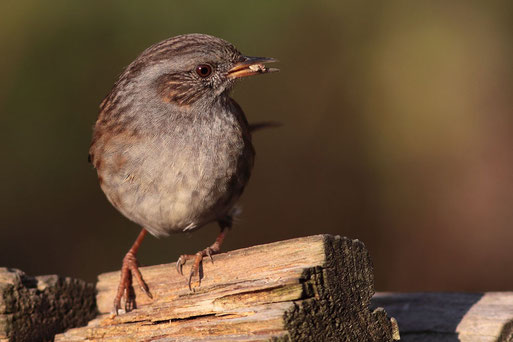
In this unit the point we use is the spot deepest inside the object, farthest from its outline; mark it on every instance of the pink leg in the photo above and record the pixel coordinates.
(129, 268)
(198, 257)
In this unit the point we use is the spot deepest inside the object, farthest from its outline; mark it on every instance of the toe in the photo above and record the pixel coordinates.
(179, 264)
(208, 251)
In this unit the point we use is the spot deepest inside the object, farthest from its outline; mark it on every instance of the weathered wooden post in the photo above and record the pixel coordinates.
(316, 288)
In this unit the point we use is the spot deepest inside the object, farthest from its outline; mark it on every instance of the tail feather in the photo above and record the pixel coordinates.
(264, 124)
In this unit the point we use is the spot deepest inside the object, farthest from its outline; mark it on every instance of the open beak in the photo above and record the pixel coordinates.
(251, 66)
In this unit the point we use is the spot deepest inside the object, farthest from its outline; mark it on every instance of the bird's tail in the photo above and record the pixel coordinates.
(264, 124)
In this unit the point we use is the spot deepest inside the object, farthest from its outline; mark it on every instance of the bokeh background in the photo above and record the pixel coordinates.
(397, 130)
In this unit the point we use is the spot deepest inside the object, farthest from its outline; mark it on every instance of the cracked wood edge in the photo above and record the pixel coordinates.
(316, 288)
(36, 308)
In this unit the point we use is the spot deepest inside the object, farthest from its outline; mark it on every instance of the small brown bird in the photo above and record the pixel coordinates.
(172, 150)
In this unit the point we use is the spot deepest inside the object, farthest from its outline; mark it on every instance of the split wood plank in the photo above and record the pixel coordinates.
(316, 288)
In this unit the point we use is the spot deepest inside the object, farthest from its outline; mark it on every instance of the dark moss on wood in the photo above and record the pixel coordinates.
(37, 308)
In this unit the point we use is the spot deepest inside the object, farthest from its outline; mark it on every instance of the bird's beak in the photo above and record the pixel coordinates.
(251, 66)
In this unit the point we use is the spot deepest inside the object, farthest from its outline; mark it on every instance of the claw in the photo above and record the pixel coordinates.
(144, 288)
(198, 258)
(208, 251)
(130, 268)
(179, 266)
(116, 308)
(126, 291)
(190, 279)
(130, 303)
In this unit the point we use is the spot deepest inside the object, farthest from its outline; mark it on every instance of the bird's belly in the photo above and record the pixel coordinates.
(171, 191)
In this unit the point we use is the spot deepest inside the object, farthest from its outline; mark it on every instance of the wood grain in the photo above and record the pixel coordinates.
(449, 317)
(36, 308)
(316, 288)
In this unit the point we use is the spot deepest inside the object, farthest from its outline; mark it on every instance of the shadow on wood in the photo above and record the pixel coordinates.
(36, 308)
(316, 288)
(451, 317)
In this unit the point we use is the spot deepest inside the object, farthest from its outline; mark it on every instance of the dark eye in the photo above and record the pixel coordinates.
(204, 70)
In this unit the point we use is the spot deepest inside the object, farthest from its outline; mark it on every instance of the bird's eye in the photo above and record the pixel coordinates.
(204, 70)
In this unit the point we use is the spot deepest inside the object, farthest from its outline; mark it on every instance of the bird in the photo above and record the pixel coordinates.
(171, 148)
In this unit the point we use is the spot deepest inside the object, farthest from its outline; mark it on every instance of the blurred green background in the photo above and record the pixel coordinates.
(398, 131)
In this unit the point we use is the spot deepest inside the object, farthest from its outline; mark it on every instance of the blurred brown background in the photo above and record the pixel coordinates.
(398, 130)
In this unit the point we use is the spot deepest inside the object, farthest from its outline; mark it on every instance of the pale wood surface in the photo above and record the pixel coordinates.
(316, 288)
(448, 317)
(36, 308)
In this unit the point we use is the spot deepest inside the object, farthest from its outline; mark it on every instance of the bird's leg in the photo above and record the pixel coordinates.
(129, 269)
(198, 257)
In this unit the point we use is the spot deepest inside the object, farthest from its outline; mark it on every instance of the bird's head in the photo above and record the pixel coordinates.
(192, 67)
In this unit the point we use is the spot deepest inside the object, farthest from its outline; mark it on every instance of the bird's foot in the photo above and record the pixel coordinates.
(126, 291)
(197, 267)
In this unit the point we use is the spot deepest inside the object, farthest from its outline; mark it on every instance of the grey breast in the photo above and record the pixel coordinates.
(186, 173)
